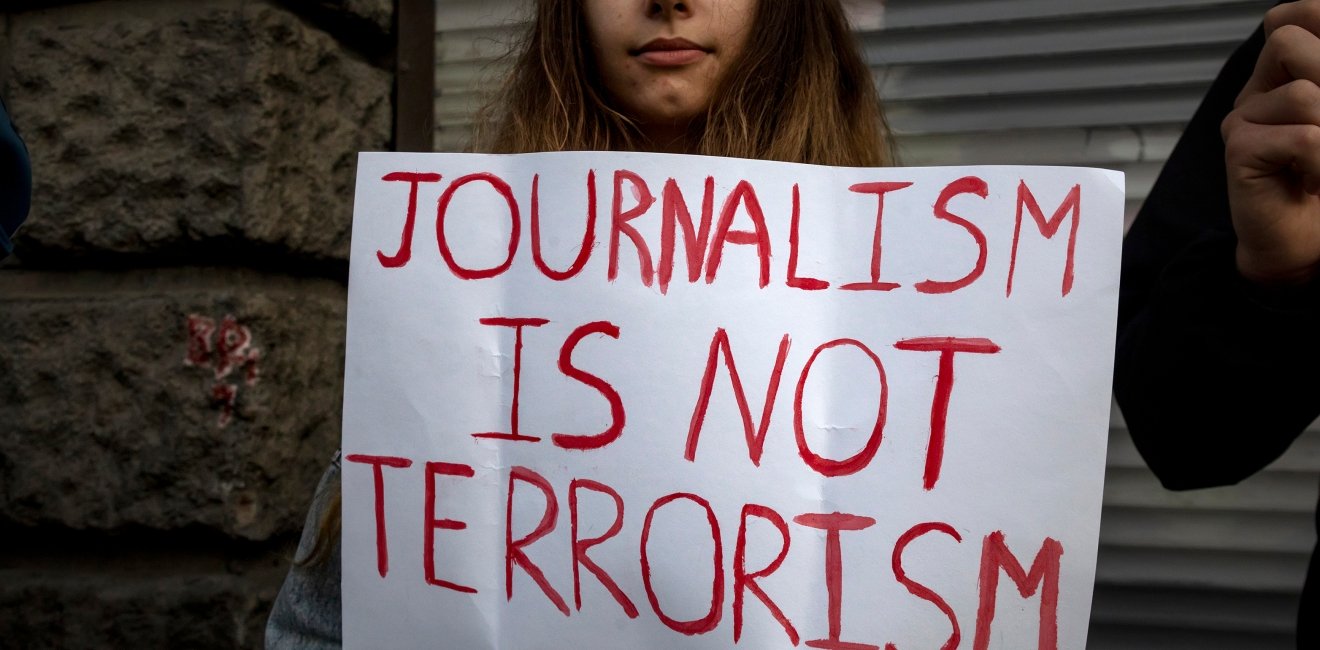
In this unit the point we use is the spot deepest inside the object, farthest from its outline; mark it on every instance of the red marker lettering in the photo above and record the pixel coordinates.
(878, 189)
(581, 545)
(378, 463)
(513, 550)
(617, 415)
(854, 463)
(432, 524)
(515, 223)
(404, 253)
(588, 236)
(619, 224)
(794, 281)
(712, 618)
(833, 523)
(947, 346)
(919, 590)
(742, 194)
(745, 581)
(939, 407)
(965, 185)
(517, 324)
(1044, 574)
(755, 433)
(1072, 203)
(675, 213)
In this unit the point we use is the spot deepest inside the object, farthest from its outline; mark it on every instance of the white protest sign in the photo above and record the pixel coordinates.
(611, 400)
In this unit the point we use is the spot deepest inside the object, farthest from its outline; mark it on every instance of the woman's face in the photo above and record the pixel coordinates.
(660, 60)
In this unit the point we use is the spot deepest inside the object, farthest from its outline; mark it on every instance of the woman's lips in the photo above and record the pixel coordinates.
(670, 52)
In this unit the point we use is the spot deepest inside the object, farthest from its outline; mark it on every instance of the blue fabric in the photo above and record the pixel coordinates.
(15, 181)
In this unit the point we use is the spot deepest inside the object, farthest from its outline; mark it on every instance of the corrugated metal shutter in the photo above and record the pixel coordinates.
(1047, 82)
(472, 36)
(1062, 82)
(1208, 569)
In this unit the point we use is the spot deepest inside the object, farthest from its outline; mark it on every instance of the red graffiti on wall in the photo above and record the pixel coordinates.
(224, 349)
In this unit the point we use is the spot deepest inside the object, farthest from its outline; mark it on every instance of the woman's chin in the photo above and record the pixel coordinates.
(668, 135)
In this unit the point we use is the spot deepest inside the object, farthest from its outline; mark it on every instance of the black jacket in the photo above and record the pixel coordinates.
(1214, 376)
(15, 181)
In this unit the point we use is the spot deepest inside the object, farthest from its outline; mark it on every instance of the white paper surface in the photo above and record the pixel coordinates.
(1024, 431)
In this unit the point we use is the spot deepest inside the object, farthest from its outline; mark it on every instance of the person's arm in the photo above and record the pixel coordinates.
(1215, 372)
(307, 613)
(15, 181)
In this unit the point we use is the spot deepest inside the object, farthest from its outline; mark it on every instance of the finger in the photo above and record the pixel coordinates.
(1304, 14)
(1296, 102)
(1291, 52)
(1259, 151)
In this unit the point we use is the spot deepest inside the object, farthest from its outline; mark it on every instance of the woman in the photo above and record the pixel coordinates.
(773, 80)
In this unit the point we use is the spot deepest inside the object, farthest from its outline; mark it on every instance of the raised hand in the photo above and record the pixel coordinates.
(1272, 152)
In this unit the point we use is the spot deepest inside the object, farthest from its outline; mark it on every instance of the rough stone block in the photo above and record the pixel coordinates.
(167, 400)
(44, 609)
(190, 132)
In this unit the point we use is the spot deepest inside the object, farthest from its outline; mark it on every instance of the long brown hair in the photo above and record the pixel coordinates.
(800, 92)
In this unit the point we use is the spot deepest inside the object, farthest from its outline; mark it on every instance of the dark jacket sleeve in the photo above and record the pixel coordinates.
(1214, 376)
(15, 181)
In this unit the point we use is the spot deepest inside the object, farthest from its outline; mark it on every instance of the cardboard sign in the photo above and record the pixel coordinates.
(609, 400)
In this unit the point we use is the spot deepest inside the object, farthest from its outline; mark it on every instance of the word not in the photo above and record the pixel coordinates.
(705, 240)
(224, 349)
(721, 350)
(1042, 576)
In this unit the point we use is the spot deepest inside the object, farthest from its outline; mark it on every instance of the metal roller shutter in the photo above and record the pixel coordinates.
(1059, 82)
(471, 37)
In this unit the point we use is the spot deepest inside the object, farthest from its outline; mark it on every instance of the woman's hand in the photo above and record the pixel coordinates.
(1272, 152)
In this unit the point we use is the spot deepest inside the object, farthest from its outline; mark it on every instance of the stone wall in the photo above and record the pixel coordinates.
(172, 323)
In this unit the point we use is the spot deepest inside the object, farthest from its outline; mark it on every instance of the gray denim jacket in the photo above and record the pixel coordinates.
(307, 612)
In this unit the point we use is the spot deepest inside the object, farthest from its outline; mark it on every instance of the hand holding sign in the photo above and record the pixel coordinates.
(1272, 149)
(606, 400)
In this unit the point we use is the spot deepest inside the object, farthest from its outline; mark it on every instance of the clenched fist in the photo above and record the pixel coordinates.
(1272, 152)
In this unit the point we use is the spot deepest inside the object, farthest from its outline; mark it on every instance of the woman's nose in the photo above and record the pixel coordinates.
(657, 8)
